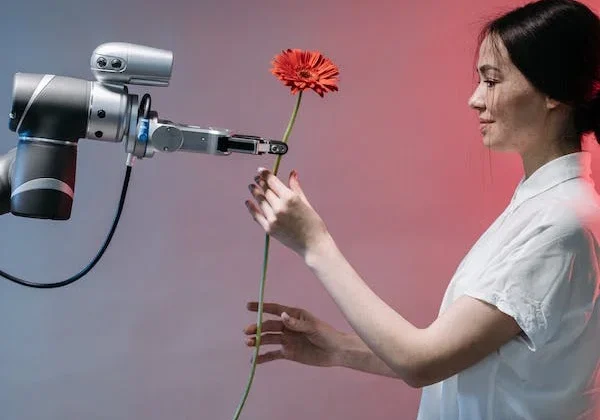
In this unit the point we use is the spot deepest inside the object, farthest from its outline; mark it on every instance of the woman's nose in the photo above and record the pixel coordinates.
(476, 100)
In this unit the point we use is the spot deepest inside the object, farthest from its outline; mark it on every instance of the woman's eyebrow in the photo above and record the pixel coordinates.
(487, 67)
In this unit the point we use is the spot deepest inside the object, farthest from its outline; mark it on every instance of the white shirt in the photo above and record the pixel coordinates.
(539, 263)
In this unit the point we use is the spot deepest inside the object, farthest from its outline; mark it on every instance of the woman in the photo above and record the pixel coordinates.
(517, 336)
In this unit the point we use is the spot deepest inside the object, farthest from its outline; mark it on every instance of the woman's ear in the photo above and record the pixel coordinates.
(552, 103)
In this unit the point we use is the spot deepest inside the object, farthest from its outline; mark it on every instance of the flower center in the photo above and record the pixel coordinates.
(305, 74)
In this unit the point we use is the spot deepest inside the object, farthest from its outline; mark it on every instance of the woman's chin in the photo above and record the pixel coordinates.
(488, 142)
(495, 145)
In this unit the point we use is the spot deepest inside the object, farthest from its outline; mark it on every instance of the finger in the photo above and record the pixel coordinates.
(263, 202)
(274, 183)
(263, 185)
(295, 187)
(270, 356)
(261, 182)
(273, 199)
(266, 339)
(257, 215)
(270, 308)
(271, 325)
(296, 324)
(268, 194)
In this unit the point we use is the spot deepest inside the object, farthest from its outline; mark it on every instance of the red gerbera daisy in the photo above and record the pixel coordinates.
(302, 70)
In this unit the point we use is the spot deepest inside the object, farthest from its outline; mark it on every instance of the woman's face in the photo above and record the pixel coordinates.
(511, 111)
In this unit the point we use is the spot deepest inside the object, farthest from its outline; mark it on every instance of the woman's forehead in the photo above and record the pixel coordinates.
(493, 54)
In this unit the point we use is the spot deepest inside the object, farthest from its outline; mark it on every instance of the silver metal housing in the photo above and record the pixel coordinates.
(108, 117)
(125, 63)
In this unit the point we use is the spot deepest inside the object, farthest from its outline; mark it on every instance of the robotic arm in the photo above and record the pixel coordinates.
(50, 114)
(6, 162)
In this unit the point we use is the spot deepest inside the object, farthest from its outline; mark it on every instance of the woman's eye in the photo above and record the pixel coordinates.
(490, 83)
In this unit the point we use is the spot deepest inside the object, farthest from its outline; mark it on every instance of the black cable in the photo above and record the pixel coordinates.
(145, 105)
(94, 261)
(144, 113)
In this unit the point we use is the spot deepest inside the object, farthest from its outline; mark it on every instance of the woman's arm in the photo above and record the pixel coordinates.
(355, 354)
(467, 332)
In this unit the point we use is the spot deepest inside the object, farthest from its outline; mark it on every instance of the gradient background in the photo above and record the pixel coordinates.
(393, 162)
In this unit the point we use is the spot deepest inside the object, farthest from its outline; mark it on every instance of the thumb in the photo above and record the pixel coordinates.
(295, 186)
(294, 324)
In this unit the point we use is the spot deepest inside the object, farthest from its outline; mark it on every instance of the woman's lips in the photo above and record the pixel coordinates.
(484, 124)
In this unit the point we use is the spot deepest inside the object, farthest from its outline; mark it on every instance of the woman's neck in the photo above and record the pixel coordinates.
(533, 160)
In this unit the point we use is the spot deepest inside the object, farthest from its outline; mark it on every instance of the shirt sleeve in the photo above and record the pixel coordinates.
(532, 280)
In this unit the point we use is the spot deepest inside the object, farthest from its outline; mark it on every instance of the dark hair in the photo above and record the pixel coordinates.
(556, 45)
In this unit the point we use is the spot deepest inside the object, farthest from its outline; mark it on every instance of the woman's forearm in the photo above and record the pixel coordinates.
(388, 335)
(355, 354)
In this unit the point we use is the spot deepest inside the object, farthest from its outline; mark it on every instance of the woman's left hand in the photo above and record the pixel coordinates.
(285, 213)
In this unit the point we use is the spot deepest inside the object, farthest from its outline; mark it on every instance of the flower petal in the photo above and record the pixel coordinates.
(301, 70)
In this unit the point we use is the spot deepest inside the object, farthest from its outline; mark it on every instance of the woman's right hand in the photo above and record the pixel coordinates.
(303, 337)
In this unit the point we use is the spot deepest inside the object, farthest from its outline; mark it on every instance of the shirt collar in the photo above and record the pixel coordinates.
(559, 170)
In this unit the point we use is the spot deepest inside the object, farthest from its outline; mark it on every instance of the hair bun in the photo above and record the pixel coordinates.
(593, 117)
(588, 117)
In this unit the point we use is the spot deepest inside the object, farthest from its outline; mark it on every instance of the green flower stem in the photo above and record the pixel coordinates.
(261, 296)
(288, 130)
